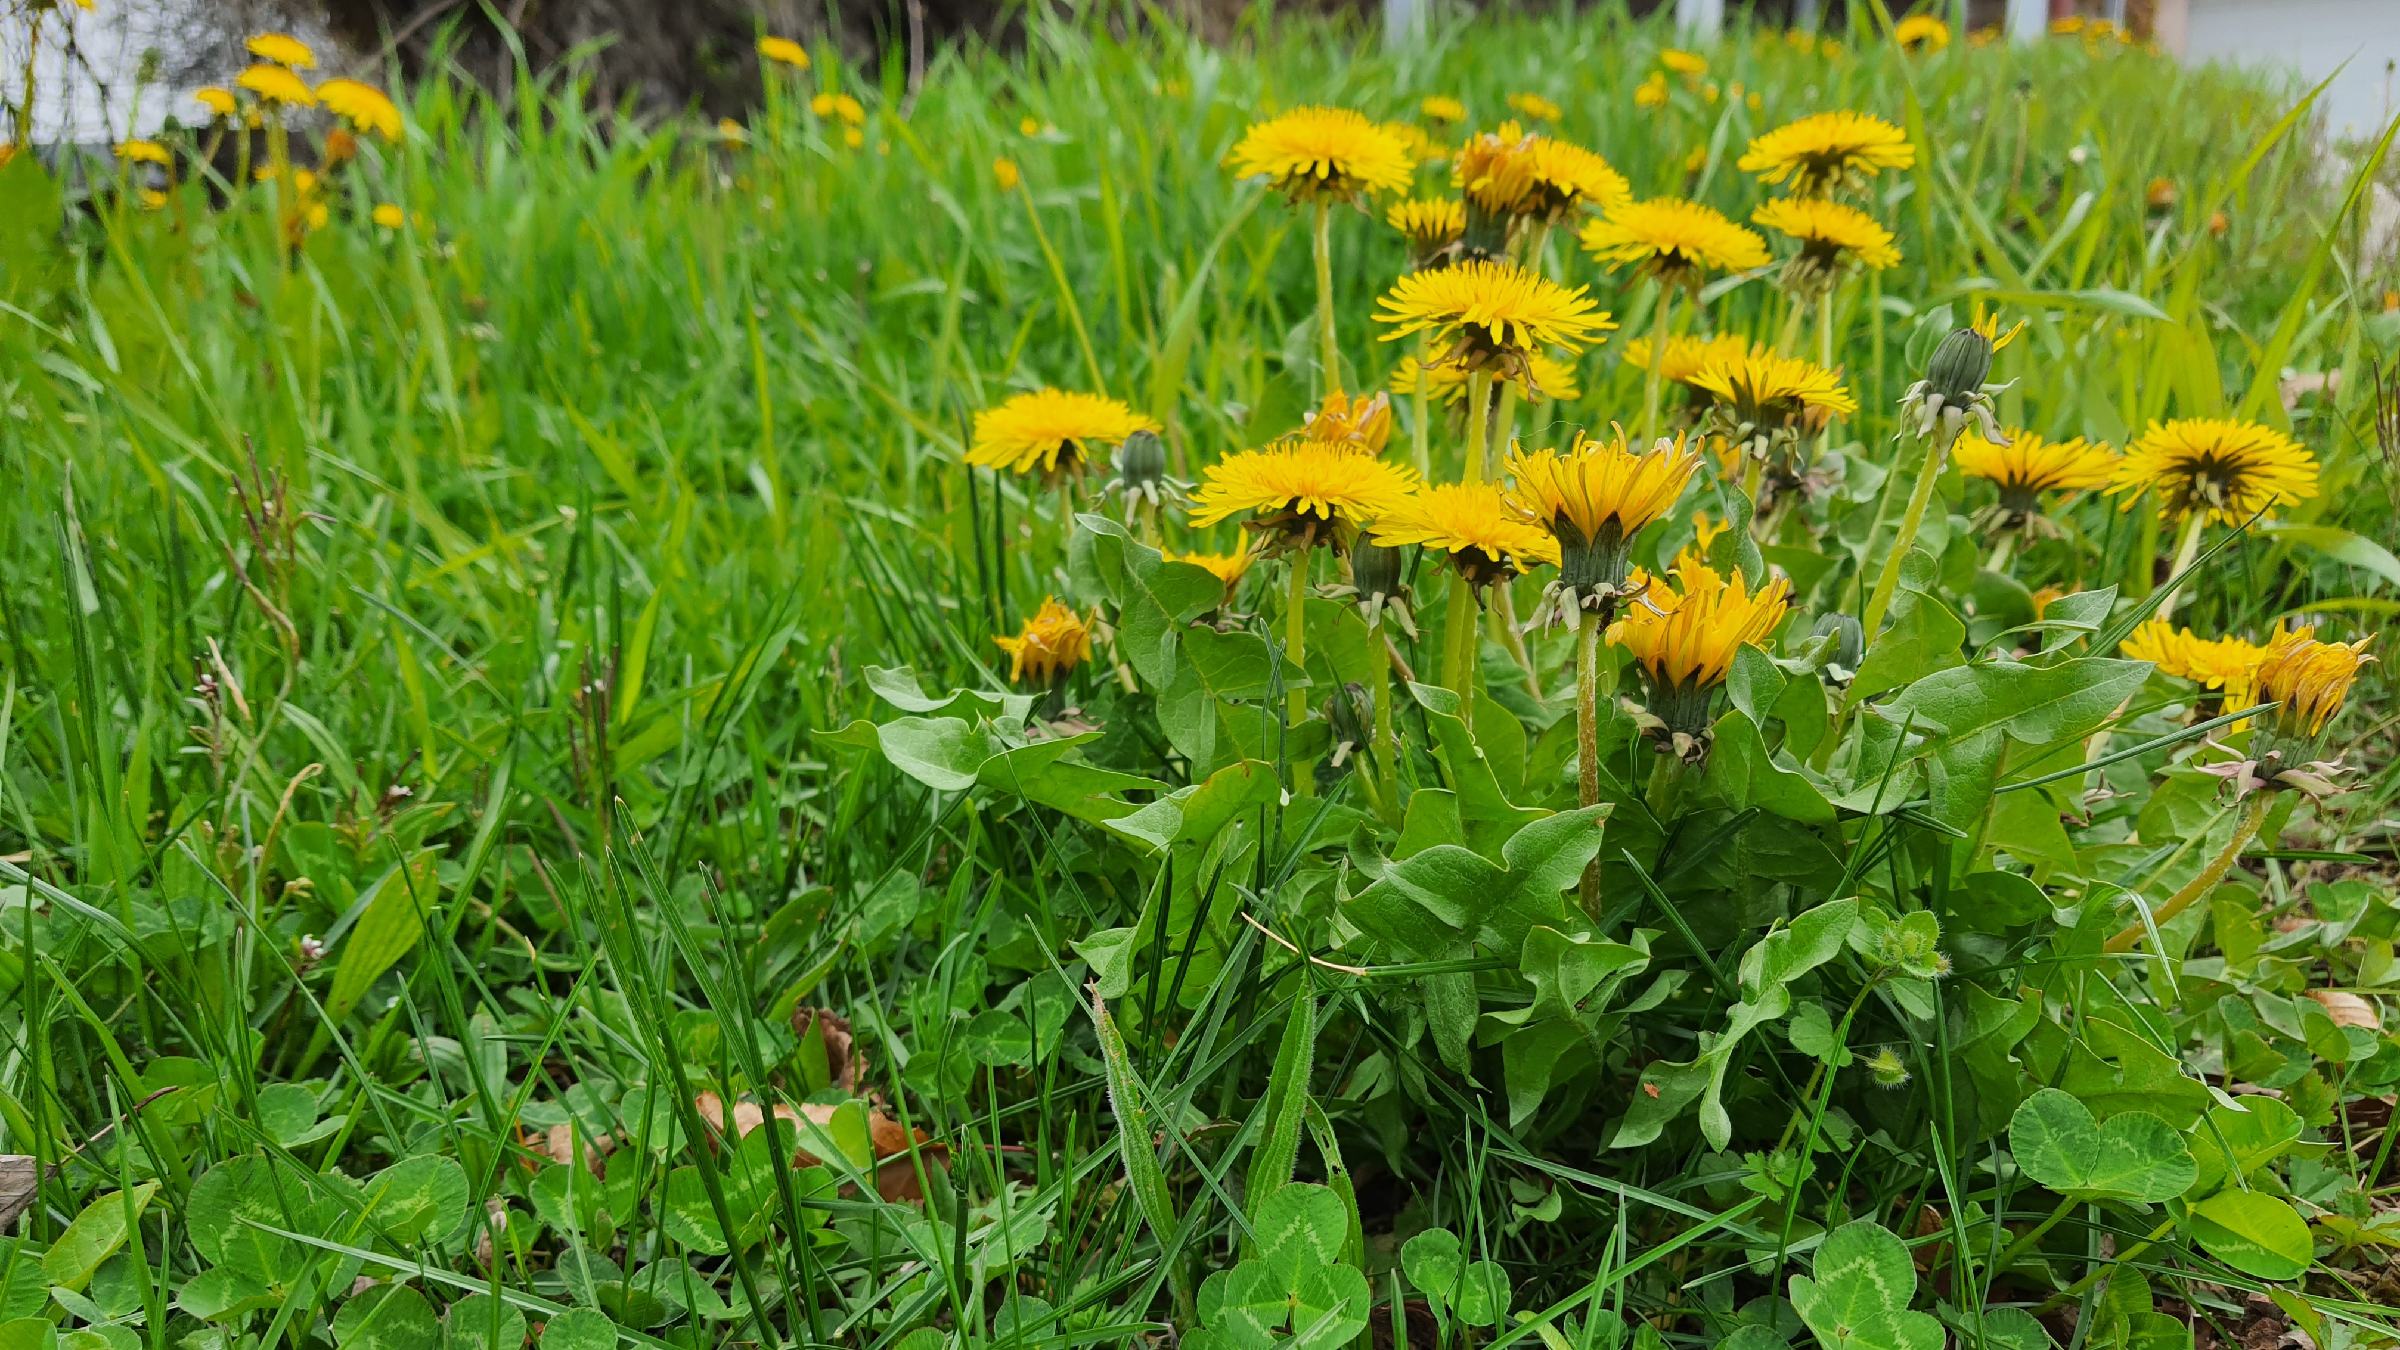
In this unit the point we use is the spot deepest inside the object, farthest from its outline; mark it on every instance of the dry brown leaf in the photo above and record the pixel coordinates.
(2346, 1009)
(895, 1172)
(558, 1145)
(19, 1178)
(843, 1059)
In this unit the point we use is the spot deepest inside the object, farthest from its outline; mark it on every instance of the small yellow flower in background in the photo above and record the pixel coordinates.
(1754, 101)
(1442, 108)
(1710, 93)
(362, 106)
(1226, 567)
(1697, 160)
(1651, 92)
(1422, 148)
(783, 52)
(2218, 224)
(153, 199)
(1055, 431)
(1687, 64)
(2311, 679)
(1362, 422)
(283, 49)
(1534, 106)
(1921, 33)
(388, 215)
(341, 146)
(1431, 224)
(1826, 151)
(1493, 314)
(1684, 640)
(1301, 493)
(275, 84)
(1705, 532)
(2028, 466)
(1472, 527)
(1688, 355)
(853, 137)
(217, 99)
(2159, 194)
(2227, 664)
(1004, 172)
(1831, 49)
(1831, 235)
(144, 152)
(1311, 154)
(732, 133)
(1029, 127)
(2229, 469)
(842, 108)
(1050, 645)
(1544, 376)
(1672, 239)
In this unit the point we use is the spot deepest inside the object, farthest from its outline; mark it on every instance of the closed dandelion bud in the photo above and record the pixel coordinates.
(1378, 583)
(1959, 365)
(1351, 714)
(1142, 472)
(1887, 1068)
(1846, 644)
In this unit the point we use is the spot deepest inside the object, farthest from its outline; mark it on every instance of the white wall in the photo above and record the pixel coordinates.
(2313, 36)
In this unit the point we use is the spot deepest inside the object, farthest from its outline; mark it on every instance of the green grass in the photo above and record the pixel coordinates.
(493, 601)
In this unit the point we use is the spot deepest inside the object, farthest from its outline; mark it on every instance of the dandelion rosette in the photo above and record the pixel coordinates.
(1826, 151)
(1684, 639)
(1049, 646)
(1051, 430)
(2231, 470)
(1675, 240)
(1472, 526)
(1301, 493)
(1593, 498)
(1319, 154)
(1493, 314)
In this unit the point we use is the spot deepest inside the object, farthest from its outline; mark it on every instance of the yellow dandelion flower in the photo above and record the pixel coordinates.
(1312, 154)
(1690, 65)
(1762, 394)
(1493, 314)
(1422, 148)
(1442, 108)
(1472, 526)
(2030, 465)
(362, 106)
(1684, 640)
(1050, 645)
(1301, 492)
(1652, 91)
(1828, 150)
(1363, 422)
(144, 152)
(2229, 469)
(2310, 679)
(1052, 430)
(1544, 376)
(1006, 174)
(217, 99)
(1989, 326)
(1688, 355)
(1562, 177)
(783, 52)
(1430, 223)
(1534, 106)
(275, 84)
(1921, 33)
(388, 215)
(2228, 664)
(856, 139)
(1226, 567)
(1494, 170)
(2159, 194)
(1831, 235)
(1673, 239)
(283, 49)
(732, 133)
(1598, 490)
(1705, 532)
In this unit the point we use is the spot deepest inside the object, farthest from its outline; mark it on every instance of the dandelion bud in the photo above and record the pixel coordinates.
(1351, 713)
(1378, 584)
(1959, 365)
(1846, 644)
(1142, 478)
(1953, 391)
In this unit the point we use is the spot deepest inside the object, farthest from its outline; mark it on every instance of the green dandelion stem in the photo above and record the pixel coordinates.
(1928, 474)
(2254, 814)
(1587, 738)
(1295, 638)
(2185, 551)
(1329, 345)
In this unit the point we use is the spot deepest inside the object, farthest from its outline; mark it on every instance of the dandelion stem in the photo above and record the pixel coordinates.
(1504, 610)
(1295, 635)
(1928, 474)
(2002, 552)
(1661, 323)
(1666, 784)
(1825, 360)
(2185, 551)
(1458, 664)
(1420, 430)
(1329, 346)
(2254, 813)
(1587, 738)
(1479, 427)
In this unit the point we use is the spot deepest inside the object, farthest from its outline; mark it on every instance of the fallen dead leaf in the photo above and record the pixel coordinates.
(2347, 1010)
(558, 1145)
(19, 1178)
(843, 1059)
(895, 1171)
